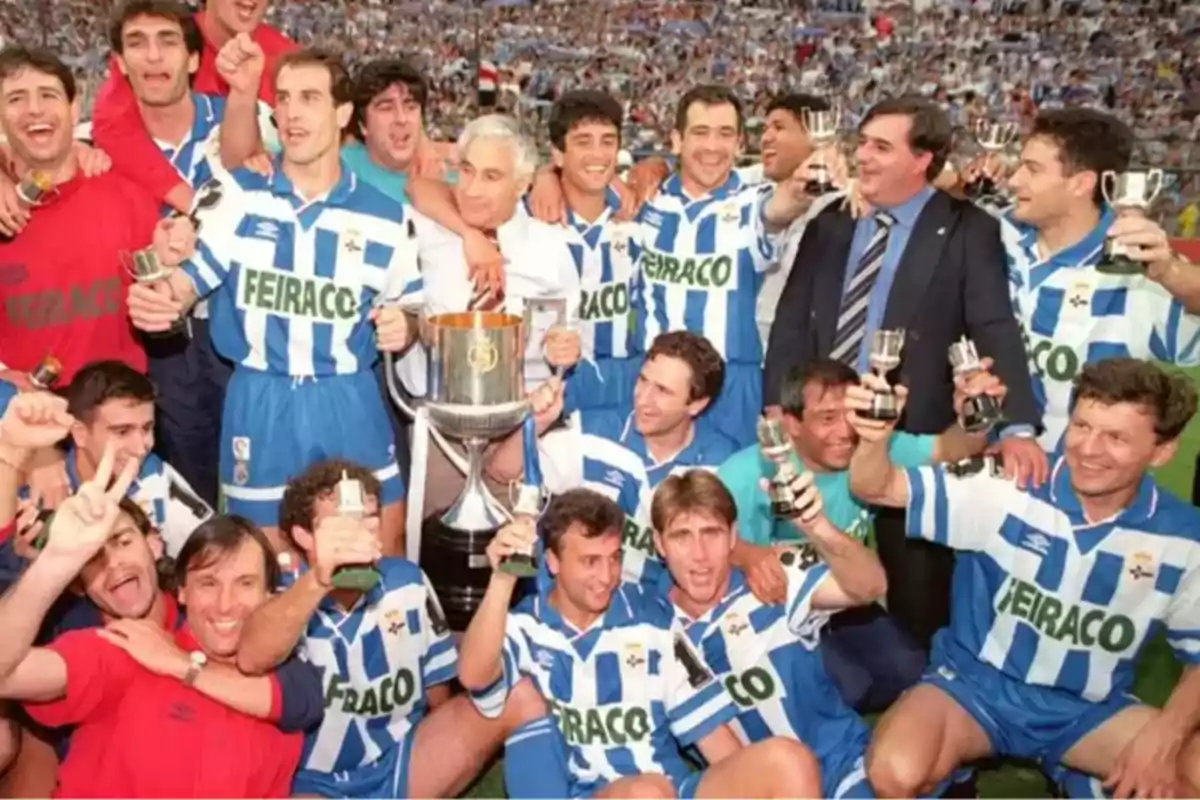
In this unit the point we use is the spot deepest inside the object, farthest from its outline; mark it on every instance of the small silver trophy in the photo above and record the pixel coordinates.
(528, 500)
(822, 128)
(358, 577)
(777, 448)
(145, 267)
(33, 189)
(1127, 193)
(979, 413)
(886, 347)
(993, 139)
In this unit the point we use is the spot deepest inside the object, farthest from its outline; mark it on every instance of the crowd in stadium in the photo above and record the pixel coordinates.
(828, 476)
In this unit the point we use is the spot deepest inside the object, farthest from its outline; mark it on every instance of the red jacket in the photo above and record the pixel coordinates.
(117, 126)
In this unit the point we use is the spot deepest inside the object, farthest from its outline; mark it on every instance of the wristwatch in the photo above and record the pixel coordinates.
(198, 660)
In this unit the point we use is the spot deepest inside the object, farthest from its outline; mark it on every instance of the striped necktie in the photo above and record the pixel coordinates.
(852, 318)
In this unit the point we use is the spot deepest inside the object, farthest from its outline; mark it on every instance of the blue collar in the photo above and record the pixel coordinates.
(737, 586)
(347, 182)
(618, 613)
(907, 212)
(206, 115)
(590, 231)
(1063, 496)
(73, 479)
(1080, 254)
(673, 186)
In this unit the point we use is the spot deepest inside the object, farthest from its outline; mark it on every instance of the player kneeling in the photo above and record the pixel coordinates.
(766, 654)
(374, 626)
(1057, 591)
(626, 687)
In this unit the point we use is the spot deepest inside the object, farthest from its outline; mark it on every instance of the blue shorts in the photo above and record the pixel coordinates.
(603, 383)
(736, 410)
(275, 426)
(1020, 720)
(845, 777)
(387, 777)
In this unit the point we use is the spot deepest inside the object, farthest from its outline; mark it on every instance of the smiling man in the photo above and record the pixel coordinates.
(1059, 589)
(62, 283)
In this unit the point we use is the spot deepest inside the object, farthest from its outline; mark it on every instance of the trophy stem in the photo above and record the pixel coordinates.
(476, 508)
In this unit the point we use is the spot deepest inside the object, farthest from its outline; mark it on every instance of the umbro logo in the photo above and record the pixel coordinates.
(614, 478)
(1037, 542)
(266, 229)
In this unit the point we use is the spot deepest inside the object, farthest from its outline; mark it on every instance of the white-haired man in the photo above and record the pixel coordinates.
(496, 165)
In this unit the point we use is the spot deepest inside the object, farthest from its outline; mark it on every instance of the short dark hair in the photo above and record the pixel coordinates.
(101, 381)
(219, 536)
(694, 490)
(166, 9)
(316, 481)
(796, 103)
(1088, 141)
(827, 373)
(376, 77)
(141, 520)
(594, 513)
(705, 363)
(340, 86)
(584, 105)
(1168, 396)
(930, 130)
(707, 95)
(15, 58)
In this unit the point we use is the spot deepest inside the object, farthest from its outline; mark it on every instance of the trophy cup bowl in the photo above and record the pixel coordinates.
(993, 138)
(884, 356)
(144, 266)
(476, 394)
(776, 447)
(1126, 192)
(822, 129)
(981, 412)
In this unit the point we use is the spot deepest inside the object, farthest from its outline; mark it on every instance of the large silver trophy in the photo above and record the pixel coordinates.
(476, 394)
(993, 139)
(822, 128)
(884, 356)
(1127, 193)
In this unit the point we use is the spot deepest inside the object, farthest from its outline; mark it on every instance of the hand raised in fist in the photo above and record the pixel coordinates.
(240, 63)
(34, 420)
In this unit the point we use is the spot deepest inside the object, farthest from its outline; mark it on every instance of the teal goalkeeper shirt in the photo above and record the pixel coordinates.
(744, 470)
(385, 180)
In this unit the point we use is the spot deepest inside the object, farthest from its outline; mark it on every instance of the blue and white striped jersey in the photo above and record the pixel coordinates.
(603, 451)
(702, 265)
(193, 157)
(1072, 315)
(173, 508)
(627, 693)
(606, 253)
(767, 657)
(1051, 599)
(378, 660)
(291, 281)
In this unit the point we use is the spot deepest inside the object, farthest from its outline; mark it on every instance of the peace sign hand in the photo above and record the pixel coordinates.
(84, 521)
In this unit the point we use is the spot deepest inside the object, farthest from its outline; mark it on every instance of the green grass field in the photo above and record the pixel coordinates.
(1156, 674)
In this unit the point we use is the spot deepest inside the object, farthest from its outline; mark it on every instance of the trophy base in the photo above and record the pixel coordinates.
(360, 579)
(884, 408)
(1118, 264)
(980, 414)
(521, 565)
(784, 509)
(819, 186)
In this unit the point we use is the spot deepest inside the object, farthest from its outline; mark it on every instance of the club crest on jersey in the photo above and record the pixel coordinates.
(241, 473)
(730, 213)
(635, 656)
(1079, 296)
(353, 241)
(1141, 565)
(241, 448)
(395, 622)
(735, 624)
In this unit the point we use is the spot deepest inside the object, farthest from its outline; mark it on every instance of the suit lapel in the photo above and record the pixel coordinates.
(830, 279)
(919, 261)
